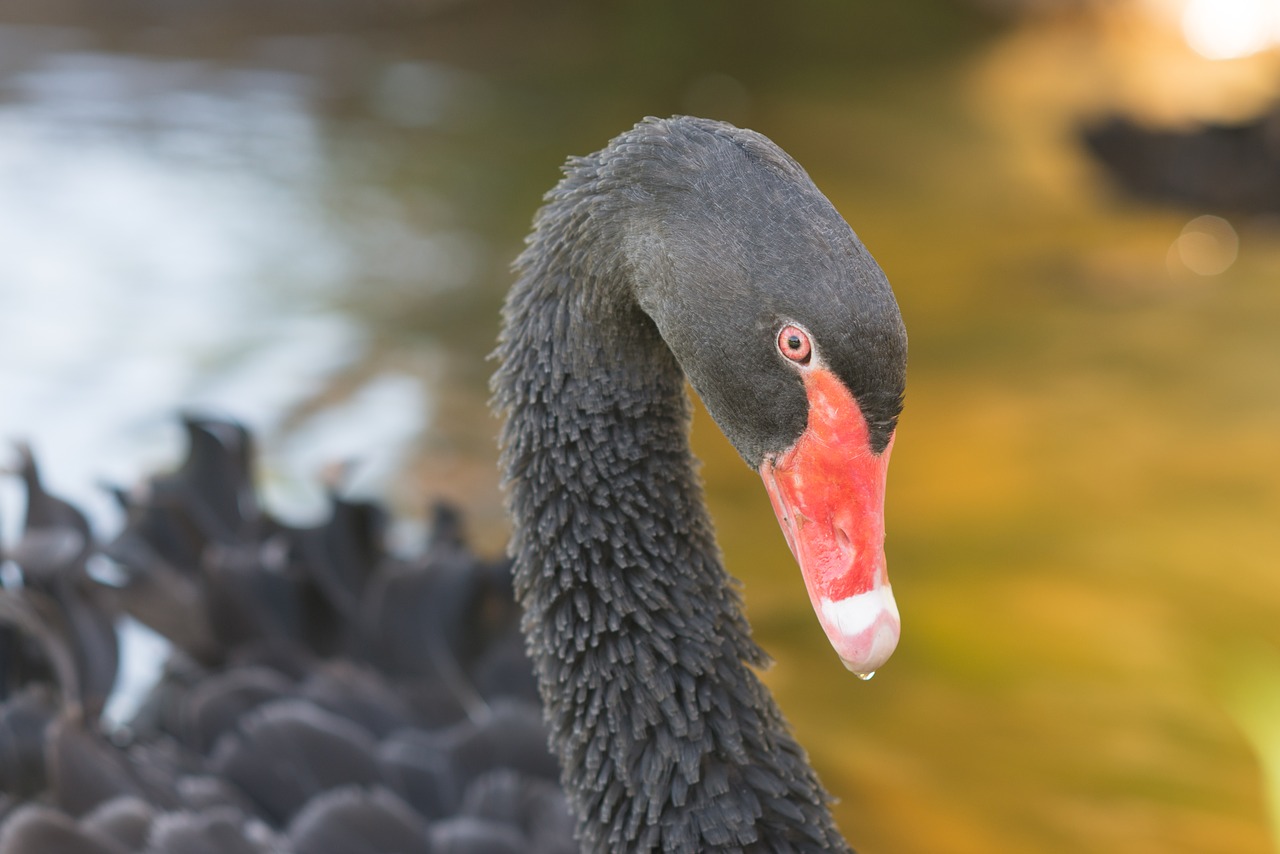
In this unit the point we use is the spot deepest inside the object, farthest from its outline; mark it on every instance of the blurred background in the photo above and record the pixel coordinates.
(302, 214)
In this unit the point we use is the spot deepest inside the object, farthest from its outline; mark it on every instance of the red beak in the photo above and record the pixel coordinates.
(828, 493)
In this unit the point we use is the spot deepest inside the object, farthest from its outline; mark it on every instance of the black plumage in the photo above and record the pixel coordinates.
(677, 251)
(282, 719)
(325, 697)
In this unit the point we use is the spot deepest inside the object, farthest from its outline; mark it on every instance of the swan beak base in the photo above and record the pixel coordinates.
(828, 493)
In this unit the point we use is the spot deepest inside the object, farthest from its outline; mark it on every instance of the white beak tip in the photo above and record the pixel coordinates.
(863, 628)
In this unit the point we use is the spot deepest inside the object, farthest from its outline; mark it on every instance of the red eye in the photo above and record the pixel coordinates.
(793, 342)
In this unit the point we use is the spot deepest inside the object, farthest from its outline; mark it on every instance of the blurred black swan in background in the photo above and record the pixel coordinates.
(326, 697)
(323, 695)
(1228, 168)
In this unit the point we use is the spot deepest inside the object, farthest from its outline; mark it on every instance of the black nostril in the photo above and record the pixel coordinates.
(844, 541)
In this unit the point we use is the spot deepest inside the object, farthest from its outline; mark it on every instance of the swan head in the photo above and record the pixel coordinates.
(789, 332)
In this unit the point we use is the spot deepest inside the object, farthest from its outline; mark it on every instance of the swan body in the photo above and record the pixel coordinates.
(323, 696)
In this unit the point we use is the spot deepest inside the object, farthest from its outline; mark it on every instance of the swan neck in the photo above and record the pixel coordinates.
(667, 739)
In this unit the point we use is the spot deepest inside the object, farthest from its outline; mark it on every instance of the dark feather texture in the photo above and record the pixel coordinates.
(305, 665)
(678, 250)
(324, 697)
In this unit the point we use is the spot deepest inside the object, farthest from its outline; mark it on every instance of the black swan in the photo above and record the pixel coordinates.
(325, 701)
(324, 696)
(689, 248)
(1222, 167)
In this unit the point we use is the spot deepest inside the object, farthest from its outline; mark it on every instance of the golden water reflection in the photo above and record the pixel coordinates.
(1083, 502)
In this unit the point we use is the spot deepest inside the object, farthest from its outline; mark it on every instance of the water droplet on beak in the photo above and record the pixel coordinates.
(865, 677)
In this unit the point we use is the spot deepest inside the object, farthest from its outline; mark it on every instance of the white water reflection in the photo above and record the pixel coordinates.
(165, 244)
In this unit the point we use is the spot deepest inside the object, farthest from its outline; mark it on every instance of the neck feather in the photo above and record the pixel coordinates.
(667, 739)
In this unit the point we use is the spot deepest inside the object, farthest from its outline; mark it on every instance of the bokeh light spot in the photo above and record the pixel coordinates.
(1208, 245)
(1231, 29)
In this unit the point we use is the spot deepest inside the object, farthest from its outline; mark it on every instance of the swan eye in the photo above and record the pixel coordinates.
(793, 342)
